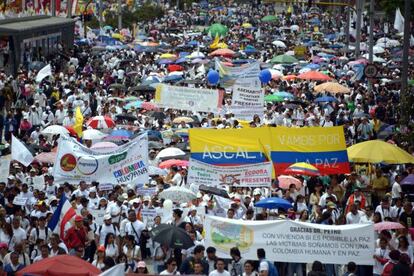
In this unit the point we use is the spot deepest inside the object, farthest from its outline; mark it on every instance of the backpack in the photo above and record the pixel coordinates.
(38, 231)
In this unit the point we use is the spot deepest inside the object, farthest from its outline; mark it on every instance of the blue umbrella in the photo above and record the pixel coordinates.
(331, 36)
(135, 104)
(165, 61)
(181, 60)
(408, 180)
(313, 66)
(325, 99)
(274, 203)
(315, 21)
(183, 54)
(336, 46)
(172, 78)
(284, 94)
(192, 43)
(119, 134)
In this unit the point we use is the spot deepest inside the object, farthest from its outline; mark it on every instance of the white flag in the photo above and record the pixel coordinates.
(20, 153)
(43, 73)
(399, 21)
(119, 269)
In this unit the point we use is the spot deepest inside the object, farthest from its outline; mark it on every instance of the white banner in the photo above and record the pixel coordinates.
(128, 164)
(292, 241)
(4, 167)
(248, 73)
(20, 153)
(250, 175)
(247, 101)
(186, 98)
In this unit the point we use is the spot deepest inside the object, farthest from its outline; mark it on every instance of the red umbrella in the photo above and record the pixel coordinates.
(286, 180)
(314, 75)
(72, 131)
(149, 106)
(101, 122)
(173, 162)
(61, 265)
(174, 68)
(223, 52)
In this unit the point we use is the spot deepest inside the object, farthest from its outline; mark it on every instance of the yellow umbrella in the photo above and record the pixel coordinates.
(247, 25)
(117, 36)
(332, 87)
(377, 151)
(168, 56)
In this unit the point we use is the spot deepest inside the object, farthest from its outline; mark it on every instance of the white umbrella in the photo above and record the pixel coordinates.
(278, 67)
(55, 129)
(279, 44)
(276, 73)
(290, 53)
(178, 194)
(170, 152)
(387, 43)
(196, 55)
(93, 134)
(294, 28)
(378, 49)
(374, 58)
(156, 171)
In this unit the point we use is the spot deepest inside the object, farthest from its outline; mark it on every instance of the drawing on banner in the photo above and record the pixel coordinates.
(230, 179)
(225, 236)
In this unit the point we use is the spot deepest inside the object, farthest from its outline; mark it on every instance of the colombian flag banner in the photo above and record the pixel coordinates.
(324, 148)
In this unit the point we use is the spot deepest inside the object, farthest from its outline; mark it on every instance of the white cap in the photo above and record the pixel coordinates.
(107, 216)
(257, 191)
(264, 266)
(92, 190)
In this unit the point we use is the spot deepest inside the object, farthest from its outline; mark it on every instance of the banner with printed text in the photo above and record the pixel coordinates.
(292, 241)
(251, 175)
(186, 98)
(128, 164)
(323, 147)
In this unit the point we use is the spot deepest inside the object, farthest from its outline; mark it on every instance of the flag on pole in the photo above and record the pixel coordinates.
(399, 21)
(20, 153)
(43, 73)
(61, 216)
(78, 126)
(118, 269)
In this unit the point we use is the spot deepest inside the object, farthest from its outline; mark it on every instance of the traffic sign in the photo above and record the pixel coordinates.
(370, 71)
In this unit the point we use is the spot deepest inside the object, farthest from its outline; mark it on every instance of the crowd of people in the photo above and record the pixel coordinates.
(103, 80)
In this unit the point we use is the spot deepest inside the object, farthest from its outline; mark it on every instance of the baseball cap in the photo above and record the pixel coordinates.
(101, 248)
(107, 216)
(264, 266)
(78, 218)
(141, 264)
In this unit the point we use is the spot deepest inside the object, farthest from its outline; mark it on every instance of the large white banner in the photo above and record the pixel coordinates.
(186, 98)
(251, 175)
(247, 101)
(292, 241)
(128, 164)
(248, 74)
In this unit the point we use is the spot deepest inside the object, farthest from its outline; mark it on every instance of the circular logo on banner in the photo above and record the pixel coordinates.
(87, 165)
(371, 71)
(68, 162)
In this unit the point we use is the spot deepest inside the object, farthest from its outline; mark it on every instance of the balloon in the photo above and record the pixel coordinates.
(265, 76)
(213, 77)
(168, 204)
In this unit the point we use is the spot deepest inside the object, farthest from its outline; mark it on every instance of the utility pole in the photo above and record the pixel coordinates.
(371, 38)
(53, 7)
(348, 25)
(69, 8)
(359, 6)
(119, 15)
(405, 98)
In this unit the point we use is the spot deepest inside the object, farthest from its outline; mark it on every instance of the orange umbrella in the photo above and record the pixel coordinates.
(314, 75)
(223, 52)
(290, 77)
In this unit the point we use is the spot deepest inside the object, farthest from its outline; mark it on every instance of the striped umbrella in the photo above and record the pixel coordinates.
(302, 168)
(101, 122)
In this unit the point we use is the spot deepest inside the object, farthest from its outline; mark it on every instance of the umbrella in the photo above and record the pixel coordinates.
(117, 86)
(126, 117)
(276, 74)
(100, 122)
(408, 180)
(156, 171)
(157, 115)
(151, 80)
(173, 236)
(149, 106)
(314, 75)
(325, 99)
(183, 119)
(302, 168)
(168, 56)
(173, 162)
(72, 131)
(273, 98)
(286, 180)
(284, 59)
(290, 77)
(46, 157)
(170, 152)
(164, 61)
(93, 134)
(213, 190)
(223, 52)
(217, 29)
(143, 88)
(273, 203)
(119, 134)
(55, 129)
(135, 104)
(61, 265)
(332, 87)
(294, 28)
(269, 18)
(387, 225)
(104, 146)
(385, 131)
(284, 94)
(279, 44)
(178, 194)
(247, 25)
(377, 151)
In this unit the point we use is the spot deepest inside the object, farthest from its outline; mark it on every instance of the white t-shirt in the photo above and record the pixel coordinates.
(396, 190)
(134, 229)
(18, 236)
(165, 272)
(216, 273)
(383, 253)
(104, 230)
(354, 219)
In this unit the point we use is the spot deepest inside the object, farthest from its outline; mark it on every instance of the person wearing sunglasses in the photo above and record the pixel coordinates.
(171, 265)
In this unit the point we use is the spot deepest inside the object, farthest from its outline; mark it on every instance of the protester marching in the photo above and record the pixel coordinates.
(219, 139)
